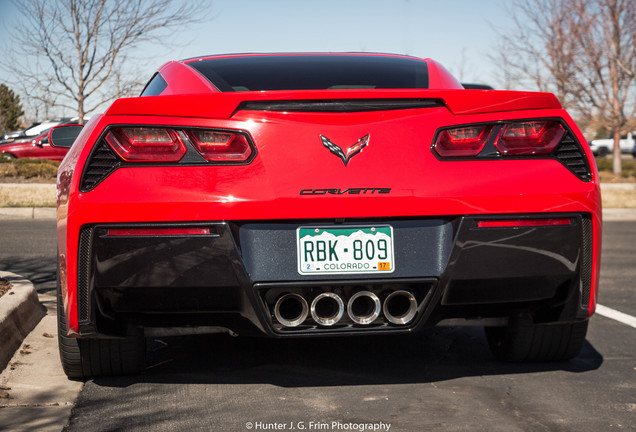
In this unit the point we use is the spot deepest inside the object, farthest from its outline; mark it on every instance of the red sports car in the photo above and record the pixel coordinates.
(309, 195)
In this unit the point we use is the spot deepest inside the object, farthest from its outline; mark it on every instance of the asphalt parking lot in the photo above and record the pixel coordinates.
(443, 379)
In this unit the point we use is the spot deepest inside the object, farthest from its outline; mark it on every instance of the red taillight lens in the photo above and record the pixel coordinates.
(517, 223)
(219, 146)
(144, 144)
(464, 141)
(529, 138)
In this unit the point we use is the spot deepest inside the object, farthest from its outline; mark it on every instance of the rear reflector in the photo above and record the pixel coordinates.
(513, 223)
(463, 141)
(529, 138)
(180, 231)
(145, 144)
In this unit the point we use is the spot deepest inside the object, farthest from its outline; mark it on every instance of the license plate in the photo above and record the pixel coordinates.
(346, 250)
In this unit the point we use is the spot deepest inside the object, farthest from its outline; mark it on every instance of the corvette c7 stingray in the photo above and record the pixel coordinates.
(309, 195)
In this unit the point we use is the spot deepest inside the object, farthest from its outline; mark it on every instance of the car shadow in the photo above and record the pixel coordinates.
(438, 354)
(41, 272)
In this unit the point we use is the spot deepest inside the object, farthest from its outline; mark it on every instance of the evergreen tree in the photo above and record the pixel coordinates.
(10, 110)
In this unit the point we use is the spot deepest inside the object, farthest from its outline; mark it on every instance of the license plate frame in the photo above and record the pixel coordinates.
(374, 243)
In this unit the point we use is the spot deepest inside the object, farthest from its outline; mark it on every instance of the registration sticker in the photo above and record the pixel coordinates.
(345, 250)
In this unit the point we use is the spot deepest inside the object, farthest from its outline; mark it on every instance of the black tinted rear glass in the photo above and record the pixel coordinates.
(313, 72)
(155, 86)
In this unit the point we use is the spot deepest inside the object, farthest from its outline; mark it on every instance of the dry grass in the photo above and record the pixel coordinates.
(27, 195)
(619, 197)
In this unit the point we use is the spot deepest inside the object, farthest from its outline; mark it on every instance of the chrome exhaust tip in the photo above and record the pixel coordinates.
(364, 307)
(400, 307)
(327, 309)
(291, 310)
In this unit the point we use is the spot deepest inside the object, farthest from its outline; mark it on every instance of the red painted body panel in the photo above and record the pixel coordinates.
(440, 78)
(291, 158)
(184, 80)
(67, 236)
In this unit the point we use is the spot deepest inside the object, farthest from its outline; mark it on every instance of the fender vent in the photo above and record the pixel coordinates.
(101, 163)
(572, 156)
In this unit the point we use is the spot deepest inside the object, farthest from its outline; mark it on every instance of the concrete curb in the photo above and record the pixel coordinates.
(27, 213)
(618, 186)
(20, 311)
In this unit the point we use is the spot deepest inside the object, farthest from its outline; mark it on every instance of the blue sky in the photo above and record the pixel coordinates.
(458, 33)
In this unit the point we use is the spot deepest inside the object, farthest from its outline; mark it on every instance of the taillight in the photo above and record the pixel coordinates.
(529, 138)
(218, 146)
(145, 144)
(462, 141)
(155, 144)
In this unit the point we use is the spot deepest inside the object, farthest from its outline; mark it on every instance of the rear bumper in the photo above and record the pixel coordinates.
(232, 277)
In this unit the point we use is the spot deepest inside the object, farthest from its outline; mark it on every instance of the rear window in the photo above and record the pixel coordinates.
(313, 72)
(155, 86)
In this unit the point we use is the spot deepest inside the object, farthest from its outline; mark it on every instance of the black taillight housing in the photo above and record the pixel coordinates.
(515, 139)
(151, 145)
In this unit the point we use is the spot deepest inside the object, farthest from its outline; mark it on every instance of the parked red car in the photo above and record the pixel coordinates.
(37, 148)
(311, 195)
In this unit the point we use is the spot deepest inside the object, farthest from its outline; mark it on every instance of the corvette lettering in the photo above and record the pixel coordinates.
(348, 191)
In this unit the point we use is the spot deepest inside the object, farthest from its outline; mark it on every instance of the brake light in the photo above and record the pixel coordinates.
(462, 141)
(529, 138)
(219, 146)
(518, 223)
(145, 144)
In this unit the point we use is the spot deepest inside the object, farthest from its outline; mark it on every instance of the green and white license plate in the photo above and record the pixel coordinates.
(345, 250)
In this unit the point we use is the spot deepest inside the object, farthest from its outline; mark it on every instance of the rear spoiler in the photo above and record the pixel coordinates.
(224, 105)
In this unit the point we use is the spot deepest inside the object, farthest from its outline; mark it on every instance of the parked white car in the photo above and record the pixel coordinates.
(603, 147)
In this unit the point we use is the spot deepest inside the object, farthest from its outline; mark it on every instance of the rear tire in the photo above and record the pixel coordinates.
(524, 341)
(85, 358)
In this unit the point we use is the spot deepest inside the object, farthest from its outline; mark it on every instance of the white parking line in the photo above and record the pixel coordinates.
(616, 315)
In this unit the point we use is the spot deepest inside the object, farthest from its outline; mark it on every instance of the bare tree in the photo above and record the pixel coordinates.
(584, 51)
(76, 53)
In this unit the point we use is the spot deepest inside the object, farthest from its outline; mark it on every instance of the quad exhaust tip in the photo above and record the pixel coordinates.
(327, 309)
(291, 310)
(364, 307)
(400, 307)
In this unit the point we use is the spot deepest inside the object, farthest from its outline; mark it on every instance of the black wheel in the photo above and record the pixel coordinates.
(603, 151)
(84, 358)
(524, 341)
(7, 157)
